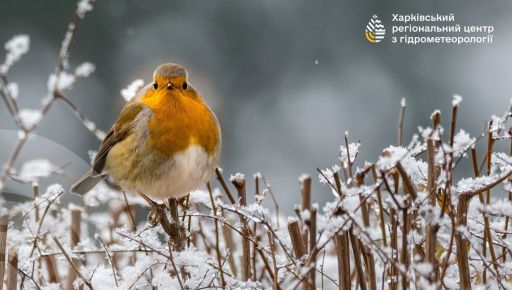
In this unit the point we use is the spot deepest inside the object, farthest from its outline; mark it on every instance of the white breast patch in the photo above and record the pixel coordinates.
(187, 171)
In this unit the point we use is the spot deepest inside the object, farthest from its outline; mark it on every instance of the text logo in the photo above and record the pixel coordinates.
(375, 30)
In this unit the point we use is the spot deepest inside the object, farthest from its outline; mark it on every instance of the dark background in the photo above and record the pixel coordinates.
(286, 78)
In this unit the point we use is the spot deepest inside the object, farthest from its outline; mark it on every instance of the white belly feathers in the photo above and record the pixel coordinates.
(187, 171)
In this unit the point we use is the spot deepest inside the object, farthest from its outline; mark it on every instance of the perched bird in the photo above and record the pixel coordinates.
(165, 143)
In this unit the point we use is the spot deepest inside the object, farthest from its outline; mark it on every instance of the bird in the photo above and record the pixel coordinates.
(165, 143)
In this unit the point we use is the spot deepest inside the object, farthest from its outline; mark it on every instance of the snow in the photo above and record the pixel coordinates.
(327, 176)
(131, 90)
(13, 89)
(456, 100)
(60, 82)
(303, 177)
(100, 134)
(501, 207)
(22, 134)
(51, 286)
(502, 161)
(416, 169)
(162, 280)
(99, 194)
(305, 215)
(390, 157)
(200, 197)
(85, 69)
(53, 193)
(429, 133)
(29, 117)
(90, 125)
(473, 183)
(451, 283)
(84, 6)
(436, 112)
(495, 124)
(16, 47)
(423, 268)
(103, 278)
(257, 209)
(238, 177)
(36, 169)
(92, 155)
(353, 150)
(403, 103)
(462, 142)
(292, 219)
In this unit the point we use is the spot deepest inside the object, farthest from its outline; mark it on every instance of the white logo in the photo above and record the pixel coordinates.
(375, 30)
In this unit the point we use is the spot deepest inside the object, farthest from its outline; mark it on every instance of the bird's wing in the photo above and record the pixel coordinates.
(120, 130)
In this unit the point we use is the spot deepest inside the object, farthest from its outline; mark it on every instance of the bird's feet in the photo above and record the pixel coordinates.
(156, 211)
(155, 215)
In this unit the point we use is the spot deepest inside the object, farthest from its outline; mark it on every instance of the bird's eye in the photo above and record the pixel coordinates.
(185, 86)
(155, 85)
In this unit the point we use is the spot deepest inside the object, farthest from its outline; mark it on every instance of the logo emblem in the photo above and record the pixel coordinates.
(375, 30)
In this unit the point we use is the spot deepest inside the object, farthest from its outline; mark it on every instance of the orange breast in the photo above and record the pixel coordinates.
(180, 119)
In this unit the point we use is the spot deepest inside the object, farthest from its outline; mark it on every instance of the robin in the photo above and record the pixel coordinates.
(165, 143)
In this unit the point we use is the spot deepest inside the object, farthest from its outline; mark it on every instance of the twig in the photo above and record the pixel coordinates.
(296, 238)
(81, 117)
(110, 260)
(431, 229)
(175, 229)
(130, 214)
(357, 260)
(274, 262)
(73, 266)
(393, 270)
(4, 220)
(220, 178)
(411, 189)
(30, 278)
(171, 258)
(404, 255)
(75, 239)
(462, 243)
(400, 123)
(311, 223)
(239, 184)
(381, 208)
(343, 253)
(217, 242)
(12, 269)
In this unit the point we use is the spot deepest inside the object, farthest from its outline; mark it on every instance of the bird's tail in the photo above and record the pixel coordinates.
(86, 183)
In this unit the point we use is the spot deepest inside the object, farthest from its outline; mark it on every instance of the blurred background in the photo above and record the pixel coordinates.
(286, 78)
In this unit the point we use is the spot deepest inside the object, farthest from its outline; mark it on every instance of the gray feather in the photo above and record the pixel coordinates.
(86, 183)
(170, 70)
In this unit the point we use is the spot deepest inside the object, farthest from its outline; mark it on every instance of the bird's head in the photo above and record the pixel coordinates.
(170, 76)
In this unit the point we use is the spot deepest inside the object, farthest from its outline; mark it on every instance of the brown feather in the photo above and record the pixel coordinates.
(117, 133)
(120, 130)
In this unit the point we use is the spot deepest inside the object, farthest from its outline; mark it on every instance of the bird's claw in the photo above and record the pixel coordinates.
(154, 216)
